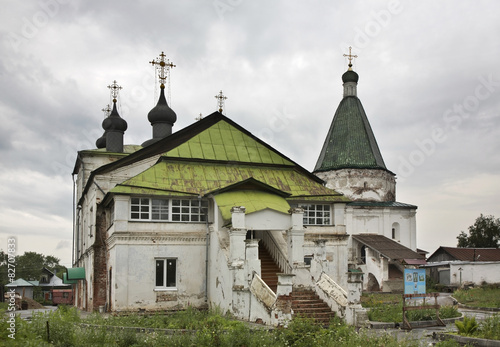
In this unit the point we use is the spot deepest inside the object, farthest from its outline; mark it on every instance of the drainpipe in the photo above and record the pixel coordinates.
(79, 209)
(74, 202)
(207, 235)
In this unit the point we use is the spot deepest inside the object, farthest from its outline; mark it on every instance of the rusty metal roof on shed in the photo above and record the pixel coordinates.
(467, 254)
(387, 247)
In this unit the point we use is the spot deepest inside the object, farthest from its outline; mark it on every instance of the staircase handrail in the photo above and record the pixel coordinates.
(276, 253)
(262, 292)
(332, 289)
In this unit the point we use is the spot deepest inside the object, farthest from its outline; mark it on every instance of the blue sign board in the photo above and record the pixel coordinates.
(414, 281)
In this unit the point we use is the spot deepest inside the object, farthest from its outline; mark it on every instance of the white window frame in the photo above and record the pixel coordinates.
(164, 285)
(311, 211)
(175, 210)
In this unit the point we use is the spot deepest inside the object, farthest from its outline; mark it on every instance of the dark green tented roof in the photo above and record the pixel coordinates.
(350, 142)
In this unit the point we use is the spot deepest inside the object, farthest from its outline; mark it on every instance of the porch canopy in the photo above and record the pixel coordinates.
(390, 249)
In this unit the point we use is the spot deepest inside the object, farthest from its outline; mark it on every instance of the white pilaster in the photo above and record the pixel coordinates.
(295, 238)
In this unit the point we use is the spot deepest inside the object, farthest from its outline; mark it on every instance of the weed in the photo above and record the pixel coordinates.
(487, 296)
(467, 327)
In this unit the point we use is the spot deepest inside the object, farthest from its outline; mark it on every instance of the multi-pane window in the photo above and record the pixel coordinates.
(176, 210)
(317, 214)
(166, 273)
(140, 208)
(189, 210)
(159, 209)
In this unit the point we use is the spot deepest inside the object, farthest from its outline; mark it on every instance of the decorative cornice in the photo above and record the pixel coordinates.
(158, 238)
(324, 237)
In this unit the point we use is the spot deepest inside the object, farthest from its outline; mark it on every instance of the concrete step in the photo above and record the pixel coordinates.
(268, 268)
(306, 303)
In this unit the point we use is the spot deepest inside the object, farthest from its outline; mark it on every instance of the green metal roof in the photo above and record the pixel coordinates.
(350, 142)
(20, 283)
(252, 200)
(75, 273)
(173, 177)
(223, 141)
(66, 281)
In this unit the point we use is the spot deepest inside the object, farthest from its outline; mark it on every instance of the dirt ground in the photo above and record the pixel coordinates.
(32, 304)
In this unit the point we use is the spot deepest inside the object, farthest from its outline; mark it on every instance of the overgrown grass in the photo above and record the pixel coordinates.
(389, 308)
(487, 329)
(212, 329)
(485, 296)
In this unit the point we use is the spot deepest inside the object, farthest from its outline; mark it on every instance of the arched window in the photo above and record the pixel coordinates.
(395, 232)
(363, 254)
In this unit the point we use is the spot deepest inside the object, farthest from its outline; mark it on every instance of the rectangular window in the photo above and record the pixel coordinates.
(166, 273)
(317, 214)
(177, 210)
(159, 209)
(139, 208)
(189, 210)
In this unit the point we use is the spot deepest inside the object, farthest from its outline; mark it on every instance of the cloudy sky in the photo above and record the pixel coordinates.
(429, 82)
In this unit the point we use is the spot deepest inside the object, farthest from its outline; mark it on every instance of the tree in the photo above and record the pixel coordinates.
(485, 233)
(29, 266)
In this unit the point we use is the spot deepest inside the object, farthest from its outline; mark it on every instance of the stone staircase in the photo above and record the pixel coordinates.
(268, 268)
(306, 303)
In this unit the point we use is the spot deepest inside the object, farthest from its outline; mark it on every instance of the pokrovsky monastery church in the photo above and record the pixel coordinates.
(212, 216)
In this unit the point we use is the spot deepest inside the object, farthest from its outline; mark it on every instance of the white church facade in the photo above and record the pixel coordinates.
(211, 215)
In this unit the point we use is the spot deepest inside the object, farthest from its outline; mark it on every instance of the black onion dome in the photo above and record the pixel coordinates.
(350, 76)
(101, 141)
(114, 121)
(162, 113)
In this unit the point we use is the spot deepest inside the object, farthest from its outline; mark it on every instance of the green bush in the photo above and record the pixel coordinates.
(467, 327)
(489, 328)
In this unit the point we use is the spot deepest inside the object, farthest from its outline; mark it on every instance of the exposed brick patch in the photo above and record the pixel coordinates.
(100, 265)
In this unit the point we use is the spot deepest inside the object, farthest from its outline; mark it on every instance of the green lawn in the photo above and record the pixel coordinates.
(210, 329)
(389, 308)
(485, 296)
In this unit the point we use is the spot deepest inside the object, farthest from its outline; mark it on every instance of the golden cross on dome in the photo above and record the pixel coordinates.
(115, 88)
(350, 57)
(163, 68)
(106, 110)
(221, 101)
